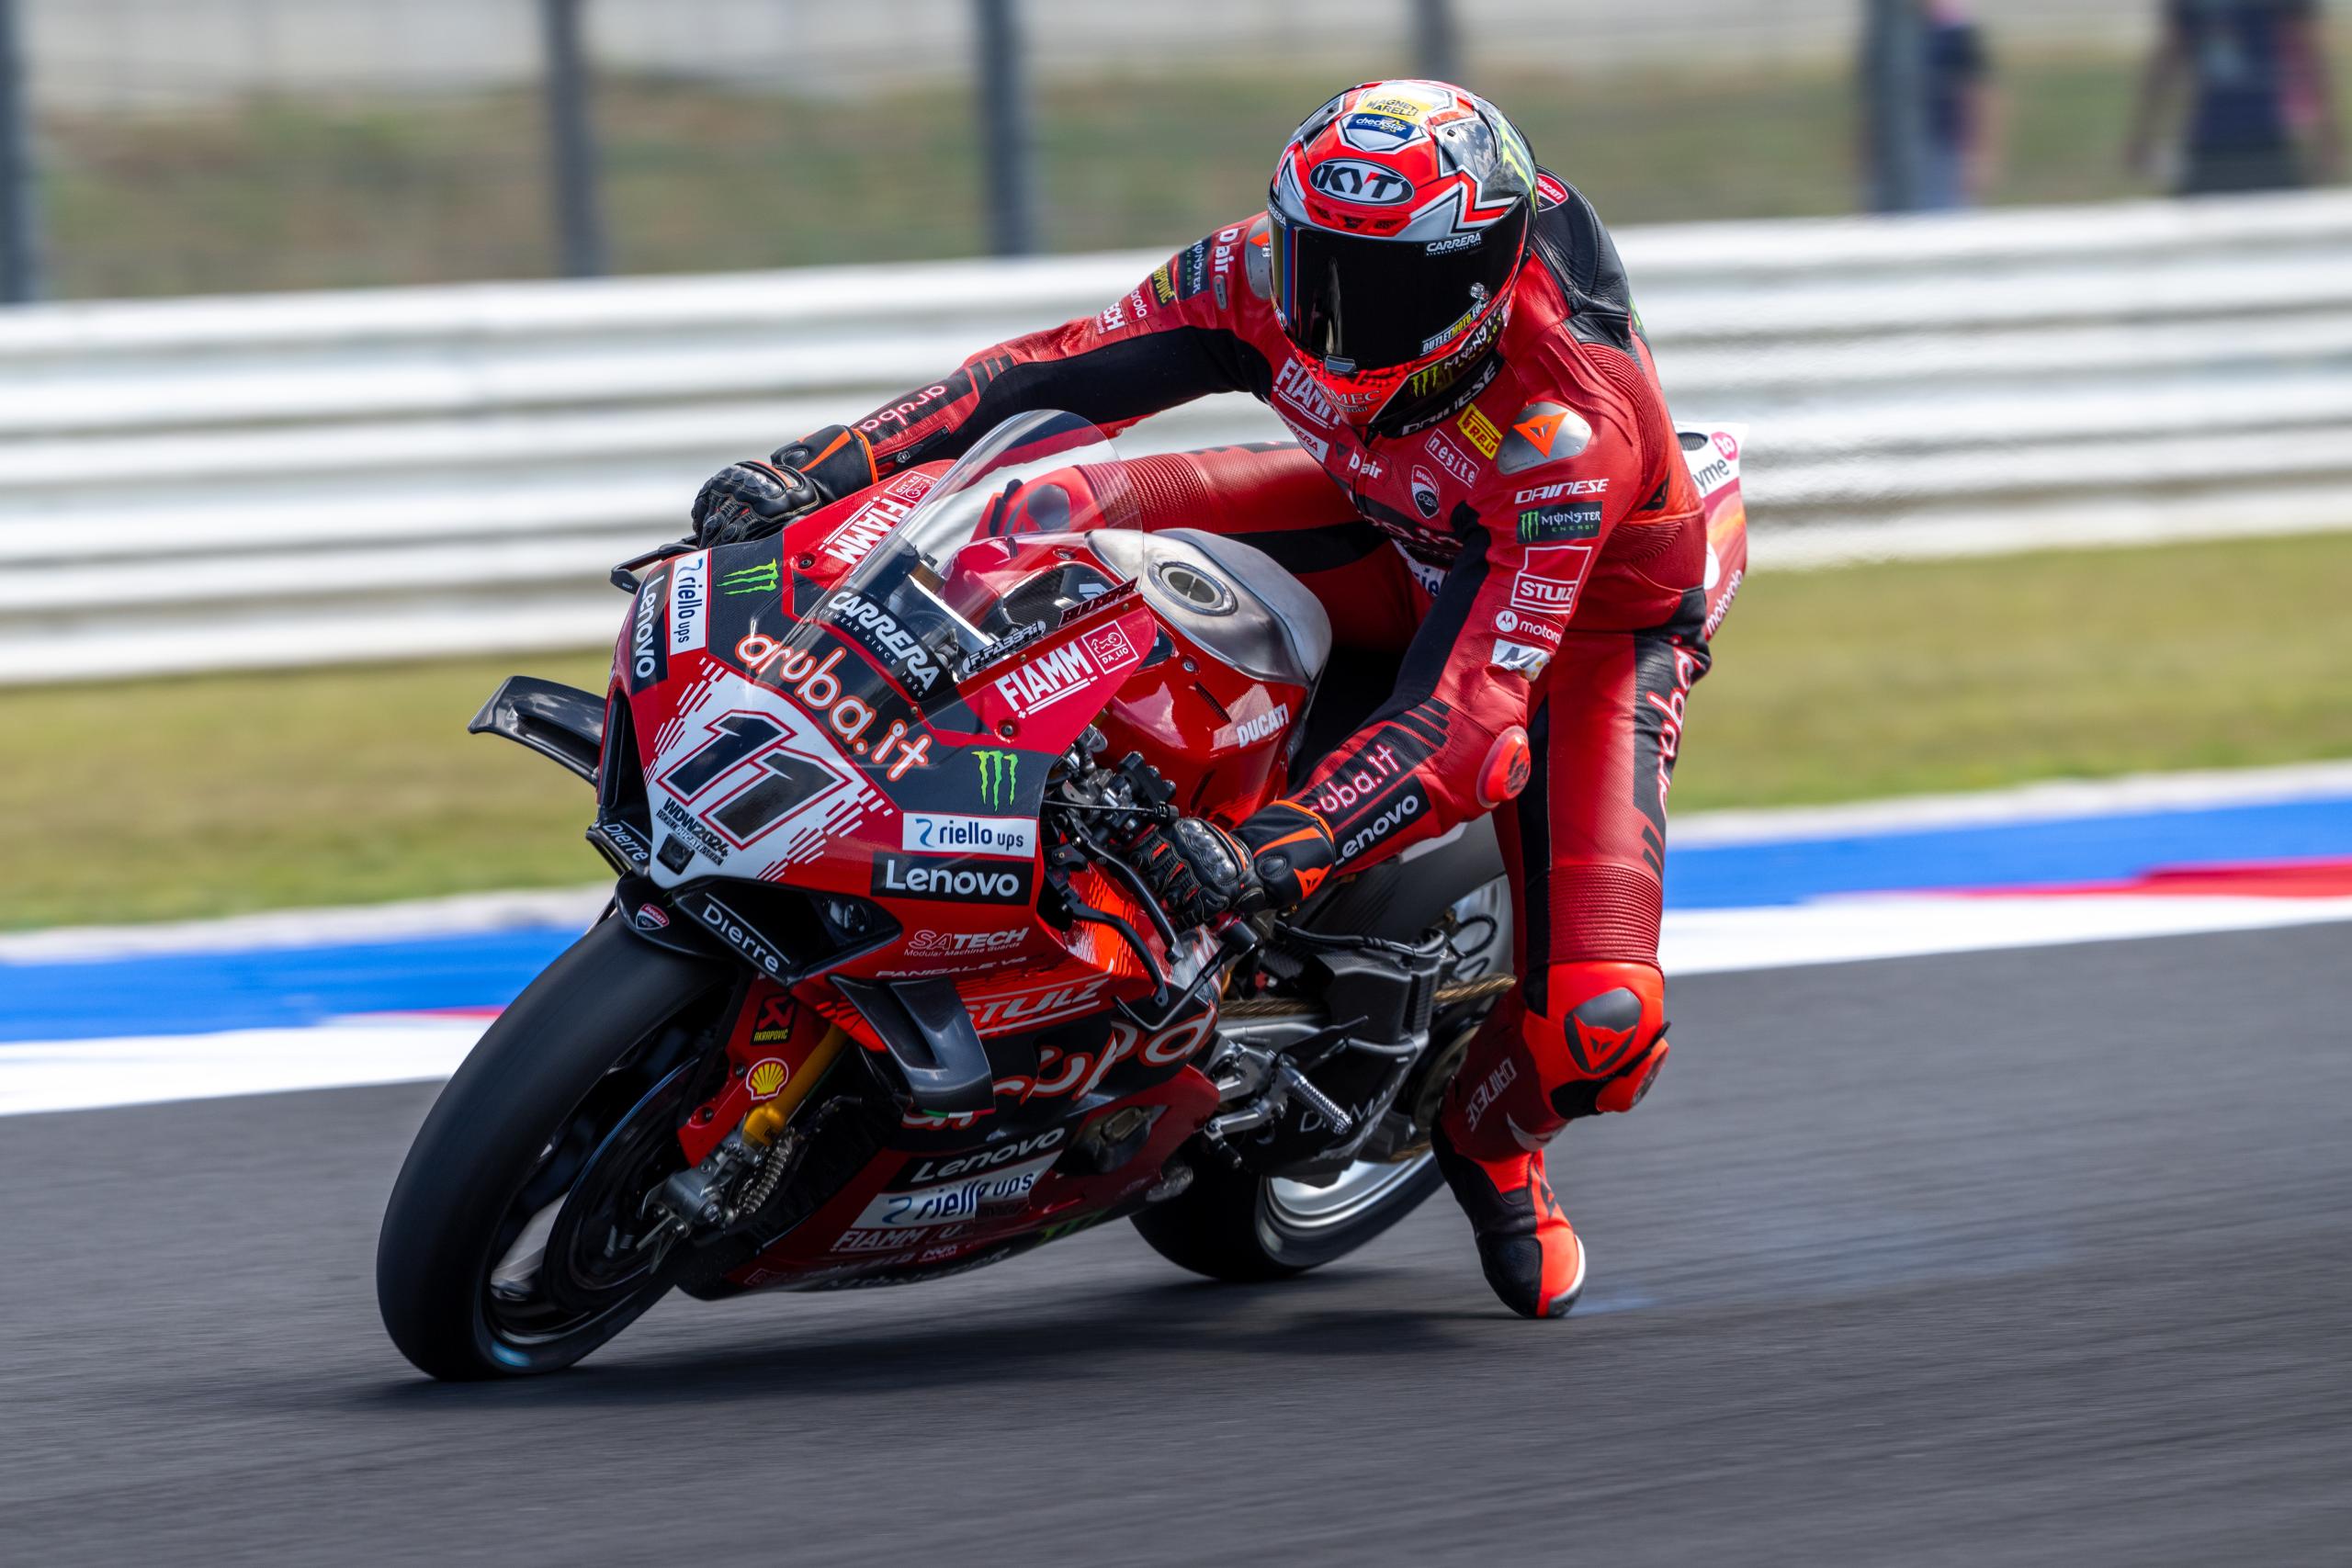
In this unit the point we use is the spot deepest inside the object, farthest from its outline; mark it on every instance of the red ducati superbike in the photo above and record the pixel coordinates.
(879, 998)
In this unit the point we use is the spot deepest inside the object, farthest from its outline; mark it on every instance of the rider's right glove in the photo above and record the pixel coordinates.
(1199, 871)
(754, 499)
(750, 500)
(1196, 870)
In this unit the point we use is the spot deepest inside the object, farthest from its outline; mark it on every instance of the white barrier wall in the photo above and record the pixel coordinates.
(212, 483)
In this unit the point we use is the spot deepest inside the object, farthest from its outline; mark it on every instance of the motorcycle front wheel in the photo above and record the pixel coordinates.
(516, 1239)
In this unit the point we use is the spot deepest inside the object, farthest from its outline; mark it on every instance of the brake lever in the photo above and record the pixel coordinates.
(623, 576)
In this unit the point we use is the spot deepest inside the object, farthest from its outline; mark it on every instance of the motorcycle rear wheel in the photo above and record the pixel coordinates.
(1230, 1225)
(540, 1148)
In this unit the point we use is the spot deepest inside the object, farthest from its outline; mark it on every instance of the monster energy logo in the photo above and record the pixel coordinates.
(999, 777)
(760, 579)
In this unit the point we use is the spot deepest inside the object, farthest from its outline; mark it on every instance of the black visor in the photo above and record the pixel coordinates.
(1372, 304)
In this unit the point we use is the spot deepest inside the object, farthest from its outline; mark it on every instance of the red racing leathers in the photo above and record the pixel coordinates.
(1540, 573)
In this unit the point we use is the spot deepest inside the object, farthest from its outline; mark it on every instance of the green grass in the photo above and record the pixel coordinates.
(219, 794)
(288, 193)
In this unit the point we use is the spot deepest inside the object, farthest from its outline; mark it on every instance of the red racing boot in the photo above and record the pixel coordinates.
(1523, 1079)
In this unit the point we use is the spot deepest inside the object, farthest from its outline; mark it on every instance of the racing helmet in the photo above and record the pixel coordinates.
(1399, 217)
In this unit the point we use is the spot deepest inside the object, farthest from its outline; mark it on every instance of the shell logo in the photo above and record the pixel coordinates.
(767, 1077)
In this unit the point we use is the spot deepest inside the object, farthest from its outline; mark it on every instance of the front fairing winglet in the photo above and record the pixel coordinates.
(926, 1032)
(558, 722)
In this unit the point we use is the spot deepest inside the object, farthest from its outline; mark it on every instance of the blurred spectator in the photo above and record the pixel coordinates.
(1960, 108)
(2261, 109)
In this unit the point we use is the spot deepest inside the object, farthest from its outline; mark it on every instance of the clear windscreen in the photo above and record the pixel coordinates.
(917, 599)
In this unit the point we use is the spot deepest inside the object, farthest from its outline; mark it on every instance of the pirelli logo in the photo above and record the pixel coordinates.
(1479, 431)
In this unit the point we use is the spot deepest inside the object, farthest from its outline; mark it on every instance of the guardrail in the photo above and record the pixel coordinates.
(212, 483)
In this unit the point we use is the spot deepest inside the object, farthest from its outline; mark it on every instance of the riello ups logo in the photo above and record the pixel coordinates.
(999, 777)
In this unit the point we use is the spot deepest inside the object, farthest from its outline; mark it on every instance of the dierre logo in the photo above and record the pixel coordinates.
(964, 881)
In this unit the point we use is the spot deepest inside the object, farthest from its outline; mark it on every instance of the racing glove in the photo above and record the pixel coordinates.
(1196, 870)
(752, 500)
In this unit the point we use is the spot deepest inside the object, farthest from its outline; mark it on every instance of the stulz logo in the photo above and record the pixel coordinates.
(1295, 386)
(1408, 805)
(880, 630)
(731, 929)
(1033, 1008)
(904, 877)
(689, 603)
(1049, 677)
(987, 1159)
(931, 833)
(1365, 185)
(1249, 731)
(1547, 583)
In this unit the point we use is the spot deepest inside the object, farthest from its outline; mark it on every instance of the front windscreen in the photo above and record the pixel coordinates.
(907, 601)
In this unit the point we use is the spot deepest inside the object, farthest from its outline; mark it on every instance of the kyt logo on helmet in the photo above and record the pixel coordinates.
(1400, 213)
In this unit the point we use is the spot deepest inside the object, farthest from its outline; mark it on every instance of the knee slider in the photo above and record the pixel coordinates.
(1611, 1042)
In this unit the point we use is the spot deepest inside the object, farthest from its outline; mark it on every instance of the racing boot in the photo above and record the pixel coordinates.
(1523, 1079)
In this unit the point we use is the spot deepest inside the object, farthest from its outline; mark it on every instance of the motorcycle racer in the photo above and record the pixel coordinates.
(1487, 488)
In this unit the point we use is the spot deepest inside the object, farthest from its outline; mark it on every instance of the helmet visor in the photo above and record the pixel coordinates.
(1377, 303)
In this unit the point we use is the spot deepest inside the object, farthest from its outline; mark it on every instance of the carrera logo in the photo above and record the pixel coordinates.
(1297, 388)
(689, 603)
(903, 877)
(929, 833)
(1033, 1008)
(1546, 585)
(1362, 184)
(880, 631)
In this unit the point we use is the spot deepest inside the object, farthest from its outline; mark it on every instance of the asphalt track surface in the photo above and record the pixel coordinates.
(2031, 1256)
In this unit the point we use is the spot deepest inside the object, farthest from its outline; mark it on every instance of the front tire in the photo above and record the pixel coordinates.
(545, 1121)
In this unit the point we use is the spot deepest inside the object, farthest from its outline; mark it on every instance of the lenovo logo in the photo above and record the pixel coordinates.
(905, 876)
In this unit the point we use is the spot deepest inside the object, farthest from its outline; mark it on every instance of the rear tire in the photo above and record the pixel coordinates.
(535, 1106)
(1232, 1225)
